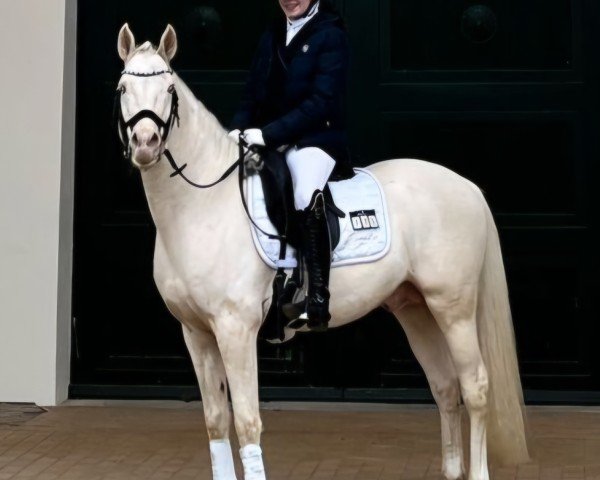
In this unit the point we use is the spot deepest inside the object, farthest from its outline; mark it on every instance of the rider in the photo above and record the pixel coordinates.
(295, 96)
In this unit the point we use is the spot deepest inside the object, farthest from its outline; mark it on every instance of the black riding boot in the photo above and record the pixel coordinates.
(317, 254)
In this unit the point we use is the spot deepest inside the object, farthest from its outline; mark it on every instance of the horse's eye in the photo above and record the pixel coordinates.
(121, 88)
(171, 88)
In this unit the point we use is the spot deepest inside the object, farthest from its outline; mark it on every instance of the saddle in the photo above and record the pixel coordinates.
(279, 201)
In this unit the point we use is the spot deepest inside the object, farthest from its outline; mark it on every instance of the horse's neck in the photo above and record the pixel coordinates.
(201, 138)
(202, 144)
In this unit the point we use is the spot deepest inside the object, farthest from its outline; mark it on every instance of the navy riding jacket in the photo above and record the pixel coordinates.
(296, 94)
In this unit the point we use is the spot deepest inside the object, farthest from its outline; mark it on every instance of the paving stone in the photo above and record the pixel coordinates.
(142, 442)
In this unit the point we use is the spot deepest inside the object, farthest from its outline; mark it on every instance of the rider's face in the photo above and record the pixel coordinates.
(294, 8)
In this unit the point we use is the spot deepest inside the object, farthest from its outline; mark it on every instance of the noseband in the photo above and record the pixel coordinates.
(164, 126)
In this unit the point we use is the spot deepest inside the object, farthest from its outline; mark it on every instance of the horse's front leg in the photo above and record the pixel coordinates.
(210, 371)
(236, 336)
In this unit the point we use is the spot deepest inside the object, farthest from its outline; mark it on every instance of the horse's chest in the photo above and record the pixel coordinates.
(175, 288)
(194, 282)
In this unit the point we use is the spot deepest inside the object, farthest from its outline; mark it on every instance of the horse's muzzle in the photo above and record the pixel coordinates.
(145, 144)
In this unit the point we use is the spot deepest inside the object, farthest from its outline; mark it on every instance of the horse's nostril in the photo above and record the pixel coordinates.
(154, 141)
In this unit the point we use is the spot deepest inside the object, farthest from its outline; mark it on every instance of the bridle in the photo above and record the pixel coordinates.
(164, 127)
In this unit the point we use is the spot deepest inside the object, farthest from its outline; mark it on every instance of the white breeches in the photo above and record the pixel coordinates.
(310, 168)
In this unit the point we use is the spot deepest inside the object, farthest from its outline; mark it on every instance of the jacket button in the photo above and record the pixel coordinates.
(328, 123)
(305, 48)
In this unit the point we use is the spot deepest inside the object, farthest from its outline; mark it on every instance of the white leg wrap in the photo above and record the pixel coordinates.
(222, 460)
(253, 462)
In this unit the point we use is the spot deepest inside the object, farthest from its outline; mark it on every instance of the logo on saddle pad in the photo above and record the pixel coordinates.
(364, 220)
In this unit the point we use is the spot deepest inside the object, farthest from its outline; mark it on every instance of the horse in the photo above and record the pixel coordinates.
(443, 277)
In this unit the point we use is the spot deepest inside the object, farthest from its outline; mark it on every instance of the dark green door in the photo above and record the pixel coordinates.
(504, 92)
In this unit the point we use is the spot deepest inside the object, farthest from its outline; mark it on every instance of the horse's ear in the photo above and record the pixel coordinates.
(168, 44)
(126, 42)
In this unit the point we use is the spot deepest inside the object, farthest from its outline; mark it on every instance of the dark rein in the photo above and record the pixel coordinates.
(165, 128)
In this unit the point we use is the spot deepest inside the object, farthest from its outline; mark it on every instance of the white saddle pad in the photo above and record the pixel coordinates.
(364, 232)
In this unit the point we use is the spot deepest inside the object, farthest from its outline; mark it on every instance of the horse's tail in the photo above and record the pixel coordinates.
(506, 424)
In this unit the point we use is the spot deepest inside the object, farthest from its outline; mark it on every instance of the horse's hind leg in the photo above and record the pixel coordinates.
(210, 371)
(455, 313)
(430, 347)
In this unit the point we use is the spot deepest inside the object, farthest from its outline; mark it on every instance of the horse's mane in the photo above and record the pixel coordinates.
(223, 146)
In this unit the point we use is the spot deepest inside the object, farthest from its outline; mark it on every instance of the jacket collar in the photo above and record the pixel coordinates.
(321, 19)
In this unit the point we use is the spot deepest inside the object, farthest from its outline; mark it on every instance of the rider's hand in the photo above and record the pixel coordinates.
(251, 158)
(235, 134)
(254, 137)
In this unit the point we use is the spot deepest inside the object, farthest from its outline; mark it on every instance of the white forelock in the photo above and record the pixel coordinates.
(145, 60)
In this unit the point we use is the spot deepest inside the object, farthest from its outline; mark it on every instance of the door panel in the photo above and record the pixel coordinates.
(503, 92)
(464, 35)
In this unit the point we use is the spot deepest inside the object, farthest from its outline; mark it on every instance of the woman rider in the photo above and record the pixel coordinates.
(295, 96)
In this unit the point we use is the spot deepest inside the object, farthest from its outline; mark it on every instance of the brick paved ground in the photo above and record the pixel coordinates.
(140, 441)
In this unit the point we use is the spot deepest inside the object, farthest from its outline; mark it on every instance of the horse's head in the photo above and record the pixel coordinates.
(146, 95)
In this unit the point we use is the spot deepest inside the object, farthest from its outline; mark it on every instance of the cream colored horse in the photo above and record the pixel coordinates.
(443, 278)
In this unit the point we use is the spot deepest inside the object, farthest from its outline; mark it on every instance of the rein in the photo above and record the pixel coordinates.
(239, 163)
(165, 128)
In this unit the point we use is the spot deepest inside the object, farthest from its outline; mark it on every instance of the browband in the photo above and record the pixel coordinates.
(152, 74)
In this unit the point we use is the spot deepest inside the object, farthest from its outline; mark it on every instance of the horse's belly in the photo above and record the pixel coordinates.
(358, 289)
